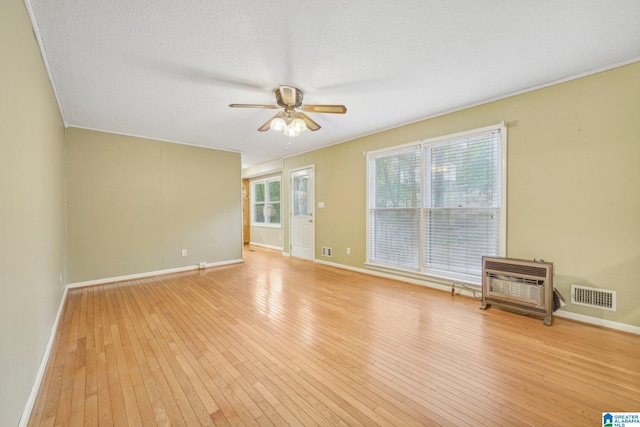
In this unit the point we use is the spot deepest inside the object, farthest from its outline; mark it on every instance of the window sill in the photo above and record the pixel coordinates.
(267, 225)
(440, 279)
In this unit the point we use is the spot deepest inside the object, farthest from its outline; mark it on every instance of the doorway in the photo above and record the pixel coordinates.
(302, 226)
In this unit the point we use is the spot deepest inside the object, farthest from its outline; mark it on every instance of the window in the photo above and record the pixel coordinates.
(436, 207)
(265, 202)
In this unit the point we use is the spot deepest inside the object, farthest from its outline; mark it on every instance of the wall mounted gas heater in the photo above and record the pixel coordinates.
(518, 285)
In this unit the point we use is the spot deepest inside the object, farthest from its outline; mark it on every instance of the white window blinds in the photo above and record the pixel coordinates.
(436, 207)
(462, 210)
(394, 233)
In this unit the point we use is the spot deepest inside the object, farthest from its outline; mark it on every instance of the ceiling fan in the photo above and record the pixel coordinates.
(291, 118)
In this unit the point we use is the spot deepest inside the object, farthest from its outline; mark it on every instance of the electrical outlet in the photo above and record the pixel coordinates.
(348, 251)
(184, 252)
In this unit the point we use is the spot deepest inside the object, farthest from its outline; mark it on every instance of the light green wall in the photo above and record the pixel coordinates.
(573, 183)
(133, 204)
(268, 236)
(32, 215)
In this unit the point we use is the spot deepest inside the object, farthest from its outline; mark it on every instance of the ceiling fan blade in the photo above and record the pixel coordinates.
(265, 127)
(174, 69)
(271, 107)
(311, 125)
(331, 109)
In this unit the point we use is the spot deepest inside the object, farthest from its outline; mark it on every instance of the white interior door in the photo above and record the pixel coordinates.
(303, 230)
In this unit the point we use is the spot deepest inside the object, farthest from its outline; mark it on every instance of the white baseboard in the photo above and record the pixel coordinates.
(26, 413)
(31, 401)
(559, 313)
(610, 324)
(286, 254)
(149, 274)
(262, 245)
(426, 283)
(221, 263)
(47, 353)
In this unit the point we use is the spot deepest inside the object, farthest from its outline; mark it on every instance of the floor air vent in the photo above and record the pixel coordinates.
(593, 297)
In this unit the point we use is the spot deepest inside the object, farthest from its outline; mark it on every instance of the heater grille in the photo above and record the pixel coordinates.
(520, 285)
(517, 289)
(593, 297)
(517, 269)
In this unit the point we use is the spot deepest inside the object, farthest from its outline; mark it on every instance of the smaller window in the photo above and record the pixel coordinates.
(265, 202)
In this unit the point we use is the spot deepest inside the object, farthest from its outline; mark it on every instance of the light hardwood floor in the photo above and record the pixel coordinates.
(278, 341)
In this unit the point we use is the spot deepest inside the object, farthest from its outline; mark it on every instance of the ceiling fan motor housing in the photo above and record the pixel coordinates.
(287, 96)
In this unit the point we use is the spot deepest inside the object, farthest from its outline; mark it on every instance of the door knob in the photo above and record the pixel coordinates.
(310, 220)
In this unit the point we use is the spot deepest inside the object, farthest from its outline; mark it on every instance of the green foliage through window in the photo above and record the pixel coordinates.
(436, 207)
(266, 202)
(258, 189)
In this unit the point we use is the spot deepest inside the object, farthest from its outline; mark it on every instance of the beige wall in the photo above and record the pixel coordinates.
(267, 236)
(133, 204)
(573, 183)
(32, 216)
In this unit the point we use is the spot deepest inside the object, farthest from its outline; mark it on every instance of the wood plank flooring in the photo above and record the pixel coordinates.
(282, 341)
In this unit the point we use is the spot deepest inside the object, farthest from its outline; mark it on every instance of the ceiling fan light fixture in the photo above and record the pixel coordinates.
(291, 131)
(298, 124)
(278, 124)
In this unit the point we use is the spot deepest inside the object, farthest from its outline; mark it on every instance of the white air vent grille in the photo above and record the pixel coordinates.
(593, 297)
(326, 251)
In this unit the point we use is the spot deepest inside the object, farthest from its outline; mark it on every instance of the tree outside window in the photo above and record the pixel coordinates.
(437, 207)
(266, 202)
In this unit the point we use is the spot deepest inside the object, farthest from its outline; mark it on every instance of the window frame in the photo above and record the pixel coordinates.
(267, 201)
(421, 145)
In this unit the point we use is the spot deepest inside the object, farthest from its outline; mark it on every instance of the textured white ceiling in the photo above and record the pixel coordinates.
(168, 69)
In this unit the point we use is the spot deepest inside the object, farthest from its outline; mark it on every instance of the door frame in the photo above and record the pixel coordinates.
(312, 189)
